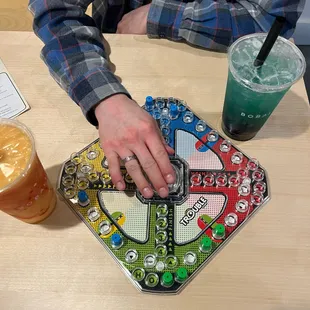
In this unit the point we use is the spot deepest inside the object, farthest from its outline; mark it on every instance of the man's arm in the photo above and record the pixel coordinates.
(74, 52)
(216, 24)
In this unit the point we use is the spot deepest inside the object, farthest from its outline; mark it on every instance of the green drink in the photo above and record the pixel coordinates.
(253, 93)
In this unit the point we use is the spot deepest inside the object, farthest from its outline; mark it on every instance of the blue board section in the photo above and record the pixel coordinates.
(178, 124)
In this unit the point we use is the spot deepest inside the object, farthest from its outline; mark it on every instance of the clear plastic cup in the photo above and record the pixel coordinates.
(25, 191)
(253, 93)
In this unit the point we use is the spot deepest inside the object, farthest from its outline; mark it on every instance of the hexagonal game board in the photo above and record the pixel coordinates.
(161, 244)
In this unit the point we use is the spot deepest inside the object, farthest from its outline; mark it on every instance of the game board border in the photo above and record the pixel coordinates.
(218, 249)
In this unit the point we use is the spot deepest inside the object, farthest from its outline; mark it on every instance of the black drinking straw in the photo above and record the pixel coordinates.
(270, 40)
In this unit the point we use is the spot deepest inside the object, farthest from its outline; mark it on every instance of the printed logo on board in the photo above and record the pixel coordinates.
(191, 212)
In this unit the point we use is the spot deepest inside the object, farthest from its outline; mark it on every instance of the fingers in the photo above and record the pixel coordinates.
(115, 171)
(119, 27)
(150, 166)
(141, 137)
(159, 153)
(169, 149)
(134, 169)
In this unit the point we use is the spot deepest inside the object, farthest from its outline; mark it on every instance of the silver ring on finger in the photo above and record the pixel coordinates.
(129, 158)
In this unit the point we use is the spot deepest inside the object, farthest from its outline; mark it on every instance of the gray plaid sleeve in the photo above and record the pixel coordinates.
(216, 24)
(74, 52)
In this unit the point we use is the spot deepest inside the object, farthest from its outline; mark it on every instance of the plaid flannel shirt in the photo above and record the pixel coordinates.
(75, 55)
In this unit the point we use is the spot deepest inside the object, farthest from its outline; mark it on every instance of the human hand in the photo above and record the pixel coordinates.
(135, 21)
(125, 129)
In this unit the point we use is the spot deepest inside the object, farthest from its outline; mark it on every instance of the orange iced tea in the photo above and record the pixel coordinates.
(25, 191)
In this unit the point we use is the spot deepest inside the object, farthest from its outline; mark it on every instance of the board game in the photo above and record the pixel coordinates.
(161, 244)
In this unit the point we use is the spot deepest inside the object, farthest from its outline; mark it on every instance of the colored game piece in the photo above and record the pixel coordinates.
(218, 231)
(167, 279)
(174, 111)
(162, 244)
(205, 245)
(181, 274)
(116, 241)
(149, 103)
(83, 199)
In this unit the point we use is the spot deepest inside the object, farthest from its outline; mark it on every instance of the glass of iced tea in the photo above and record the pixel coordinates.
(25, 191)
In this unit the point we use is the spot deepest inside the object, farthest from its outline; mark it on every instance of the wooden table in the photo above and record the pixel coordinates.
(59, 264)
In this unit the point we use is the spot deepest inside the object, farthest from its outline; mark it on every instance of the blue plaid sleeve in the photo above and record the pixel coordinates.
(74, 52)
(216, 24)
